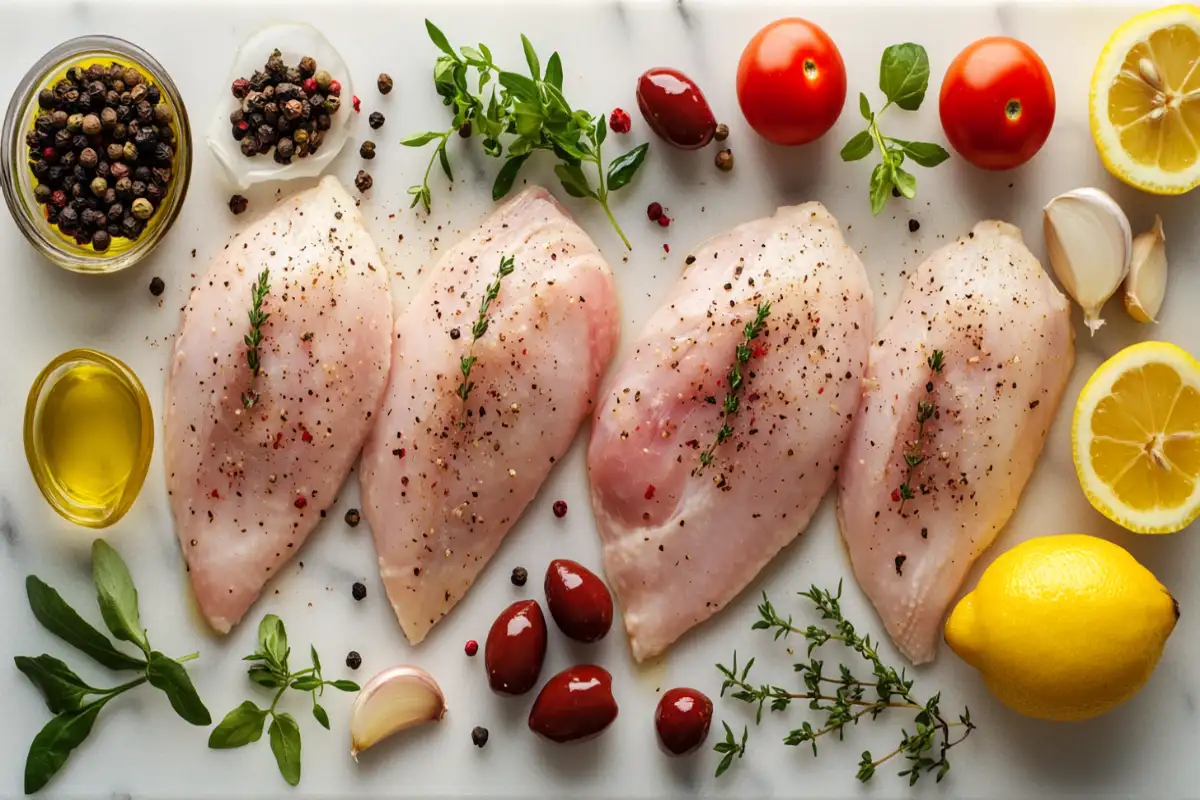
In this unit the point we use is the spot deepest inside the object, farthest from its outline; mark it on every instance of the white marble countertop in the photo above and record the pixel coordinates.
(140, 748)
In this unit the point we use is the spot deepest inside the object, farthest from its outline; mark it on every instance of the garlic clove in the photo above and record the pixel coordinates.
(395, 699)
(1090, 244)
(1146, 285)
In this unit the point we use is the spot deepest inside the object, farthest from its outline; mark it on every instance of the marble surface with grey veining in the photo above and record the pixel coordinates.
(140, 749)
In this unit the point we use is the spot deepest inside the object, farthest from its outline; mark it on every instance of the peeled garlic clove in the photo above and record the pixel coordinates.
(1146, 285)
(395, 699)
(1090, 244)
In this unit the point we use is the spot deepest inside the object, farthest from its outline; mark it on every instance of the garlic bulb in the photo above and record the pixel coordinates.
(1090, 243)
(1146, 285)
(395, 699)
(294, 40)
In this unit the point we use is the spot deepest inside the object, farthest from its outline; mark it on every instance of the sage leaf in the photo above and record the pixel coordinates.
(272, 638)
(62, 688)
(927, 154)
(508, 175)
(864, 106)
(285, 744)
(60, 619)
(419, 139)
(172, 679)
(52, 746)
(345, 686)
(623, 168)
(554, 71)
(904, 75)
(439, 39)
(531, 58)
(904, 182)
(307, 683)
(240, 727)
(117, 595)
(859, 146)
(881, 186)
(573, 180)
(321, 716)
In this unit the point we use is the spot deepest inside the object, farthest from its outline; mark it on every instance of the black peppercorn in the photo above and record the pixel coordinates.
(154, 95)
(239, 132)
(353, 659)
(42, 193)
(124, 112)
(479, 736)
(367, 150)
(455, 333)
(47, 99)
(138, 93)
(110, 197)
(68, 160)
(163, 153)
(161, 176)
(308, 67)
(62, 139)
(155, 193)
(141, 174)
(353, 518)
(363, 181)
(384, 83)
(138, 188)
(284, 149)
(519, 576)
(131, 227)
(322, 122)
(237, 204)
(376, 120)
(68, 218)
(913, 226)
(119, 132)
(157, 287)
(124, 188)
(250, 146)
(41, 168)
(358, 591)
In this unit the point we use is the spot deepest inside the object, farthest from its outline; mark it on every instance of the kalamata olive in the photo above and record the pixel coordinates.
(682, 720)
(575, 704)
(516, 647)
(578, 601)
(675, 108)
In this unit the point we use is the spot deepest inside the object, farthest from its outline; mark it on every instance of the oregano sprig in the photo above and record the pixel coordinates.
(254, 338)
(903, 79)
(735, 380)
(915, 456)
(467, 362)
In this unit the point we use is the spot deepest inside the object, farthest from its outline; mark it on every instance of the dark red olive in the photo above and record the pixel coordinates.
(578, 601)
(682, 720)
(516, 648)
(675, 108)
(575, 704)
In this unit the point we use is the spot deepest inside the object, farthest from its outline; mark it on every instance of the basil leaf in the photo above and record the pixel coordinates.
(471, 53)
(520, 87)
(443, 78)
(264, 676)
(559, 110)
(439, 39)
(321, 716)
(881, 186)
(622, 169)
(508, 175)
(52, 746)
(117, 595)
(573, 180)
(60, 619)
(927, 154)
(864, 106)
(859, 146)
(169, 676)
(487, 54)
(905, 182)
(601, 131)
(272, 637)
(285, 744)
(569, 151)
(529, 119)
(62, 688)
(521, 146)
(535, 69)
(904, 75)
(240, 727)
(420, 139)
(316, 661)
(345, 686)
(444, 161)
(554, 71)
(306, 683)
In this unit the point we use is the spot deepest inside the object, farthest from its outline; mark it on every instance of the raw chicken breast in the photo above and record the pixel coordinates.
(1005, 335)
(440, 497)
(247, 486)
(680, 542)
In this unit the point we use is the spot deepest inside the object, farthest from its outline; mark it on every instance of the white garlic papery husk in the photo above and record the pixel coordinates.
(1090, 244)
(294, 40)
(1146, 285)
(395, 699)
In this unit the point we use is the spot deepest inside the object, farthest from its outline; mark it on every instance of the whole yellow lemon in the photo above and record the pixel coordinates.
(1063, 627)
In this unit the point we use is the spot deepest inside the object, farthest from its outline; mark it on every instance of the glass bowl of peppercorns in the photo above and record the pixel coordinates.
(97, 154)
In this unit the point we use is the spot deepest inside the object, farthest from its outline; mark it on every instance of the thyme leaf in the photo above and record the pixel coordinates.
(736, 380)
(254, 338)
(915, 456)
(467, 362)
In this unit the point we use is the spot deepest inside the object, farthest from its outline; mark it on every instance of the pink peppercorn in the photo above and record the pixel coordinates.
(309, 86)
(560, 508)
(664, 220)
(618, 121)
(654, 212)
(300, 502)
(335, 89)
(472, 647)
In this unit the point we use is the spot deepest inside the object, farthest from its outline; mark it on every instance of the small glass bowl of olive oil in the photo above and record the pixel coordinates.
(89, 435)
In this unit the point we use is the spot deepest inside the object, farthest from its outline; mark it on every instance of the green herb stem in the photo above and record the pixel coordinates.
(467, 362)
(254, 338)
(735, 381)
(926, 410)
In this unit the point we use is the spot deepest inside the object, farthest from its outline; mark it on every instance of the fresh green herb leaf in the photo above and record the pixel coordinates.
(864, 106)
(240, 727)
(521, 87)
(480, 327)
(307, 683)
(60, 619)
(859, 146)
(172, 679)
(508, 175)
(321, 715)
(554, 71)
(531, 58)
(926, 154)
(444, 161)
(439, 39)
(272, 638)
(573, 180)
(265, 676)
(316, 660)
(117, 595)
(285, 744)
(344, 686)
(623, 168)
(254, 338)
(421, 139)
(62, 688)
(904, 75)
(904, 182)
(881, 186)
(926, 409)
(53, 745)
(734, 381)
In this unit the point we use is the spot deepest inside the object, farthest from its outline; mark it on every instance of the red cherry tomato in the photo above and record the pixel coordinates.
(997, 103)
(791, 82)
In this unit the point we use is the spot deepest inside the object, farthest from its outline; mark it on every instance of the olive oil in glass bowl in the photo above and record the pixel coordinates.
(89, 435)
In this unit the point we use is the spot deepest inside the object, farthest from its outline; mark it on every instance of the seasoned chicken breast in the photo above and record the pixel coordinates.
(444, 480)
(253, 461)
(983, 339)
(682, 539)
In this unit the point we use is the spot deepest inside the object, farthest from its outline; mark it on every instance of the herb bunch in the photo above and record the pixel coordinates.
(75, 703)
(903, 79)
(477, 331)
(244, 724)
(530, 113)
(843, 698)
(735, 381)
(926, 409)
(254, 338)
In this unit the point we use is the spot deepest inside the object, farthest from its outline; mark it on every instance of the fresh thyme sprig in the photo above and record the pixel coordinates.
(254, 338)
(732, 403)
(843, 699)
(915, 456)
(477, 331)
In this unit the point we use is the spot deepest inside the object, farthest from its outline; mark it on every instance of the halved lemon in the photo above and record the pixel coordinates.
(1145, 101)
(1136, 438)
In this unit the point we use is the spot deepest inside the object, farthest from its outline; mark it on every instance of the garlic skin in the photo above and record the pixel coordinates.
(395, 699)
(1146, 285)
(1090, 245)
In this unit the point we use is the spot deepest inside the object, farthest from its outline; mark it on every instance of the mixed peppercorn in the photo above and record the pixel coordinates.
(101, 150)
(285, 109)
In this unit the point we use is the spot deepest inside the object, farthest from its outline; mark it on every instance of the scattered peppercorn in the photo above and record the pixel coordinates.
(519, 576)
(358, 591)
(455, 333)
(157, 287)
(618, 121)
(895, 192)
(654, 211)
(664, 221)
(479, 735)
(353, 659)
(560, 508)
(367, 150)
(283, 109)
(725, 160)
(913, 226)
(376, 120)
(353, 518)
(238, 204)
(363, 181)
(722, 132)
(471, 648)
(384, 82)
